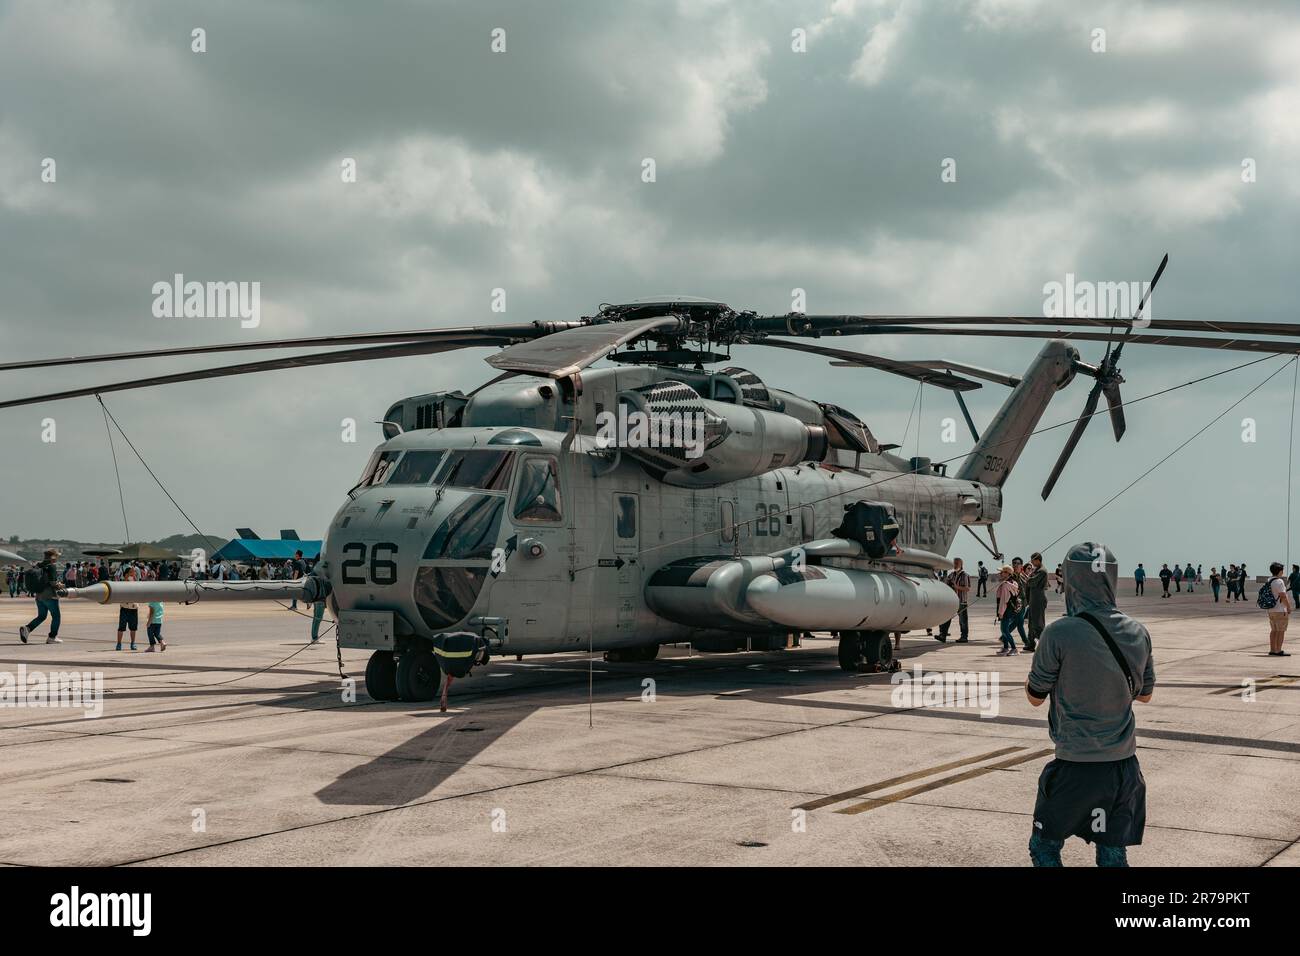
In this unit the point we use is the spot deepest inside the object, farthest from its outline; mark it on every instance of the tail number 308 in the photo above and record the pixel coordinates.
(383, 570)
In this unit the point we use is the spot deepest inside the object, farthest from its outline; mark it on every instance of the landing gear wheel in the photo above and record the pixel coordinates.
(878, 650)
(649, 652)
(418, 676)
(850, 651)
(381, 676)
(866, 651)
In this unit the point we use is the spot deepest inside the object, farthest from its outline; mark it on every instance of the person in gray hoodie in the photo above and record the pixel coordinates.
(1094, 789)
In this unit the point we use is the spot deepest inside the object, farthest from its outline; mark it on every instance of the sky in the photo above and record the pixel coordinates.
(776, 169)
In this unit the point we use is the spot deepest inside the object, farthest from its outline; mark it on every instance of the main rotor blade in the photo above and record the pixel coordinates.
(1089, 408)
(975, 371)
(847, 357)
(503, 333)
(564, 353)
(1116, 406)
(801, 325)
(397, 350)
(1140, 338)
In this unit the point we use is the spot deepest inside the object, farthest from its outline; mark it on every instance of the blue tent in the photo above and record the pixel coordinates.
(253, 550)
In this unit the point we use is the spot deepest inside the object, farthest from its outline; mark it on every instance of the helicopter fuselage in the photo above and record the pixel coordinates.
(552, 540)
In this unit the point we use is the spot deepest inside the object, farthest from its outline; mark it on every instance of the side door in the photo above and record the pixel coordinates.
(626, 518)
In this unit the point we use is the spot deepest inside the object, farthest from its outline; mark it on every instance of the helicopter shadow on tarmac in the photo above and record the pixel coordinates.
(415, 768)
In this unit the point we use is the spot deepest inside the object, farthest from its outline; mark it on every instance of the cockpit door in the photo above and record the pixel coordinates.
(533, 584)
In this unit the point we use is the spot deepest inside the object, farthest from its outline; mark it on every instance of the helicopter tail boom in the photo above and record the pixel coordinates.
(999, 448)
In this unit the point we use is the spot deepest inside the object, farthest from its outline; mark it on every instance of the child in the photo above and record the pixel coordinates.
(128, 615)
(153, 627)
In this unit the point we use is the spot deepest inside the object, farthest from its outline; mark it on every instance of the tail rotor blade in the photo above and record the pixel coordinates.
(1088, 409)
(1116, 406)
(1151, 288)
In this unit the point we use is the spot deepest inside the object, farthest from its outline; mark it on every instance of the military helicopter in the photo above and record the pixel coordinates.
(504, 522)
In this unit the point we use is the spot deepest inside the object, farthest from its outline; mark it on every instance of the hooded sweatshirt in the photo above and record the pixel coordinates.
(1090, 713)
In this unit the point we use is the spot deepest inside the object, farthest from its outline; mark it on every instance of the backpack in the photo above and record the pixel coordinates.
(1267, 599)
(35, 579)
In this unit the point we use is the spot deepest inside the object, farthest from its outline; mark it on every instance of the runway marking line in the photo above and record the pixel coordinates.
(906, 778)
(945, 782)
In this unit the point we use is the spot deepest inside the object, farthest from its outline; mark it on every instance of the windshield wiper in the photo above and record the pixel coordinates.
(451, 475)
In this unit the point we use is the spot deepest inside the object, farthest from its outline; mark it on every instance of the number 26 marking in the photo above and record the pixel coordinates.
(382, 572)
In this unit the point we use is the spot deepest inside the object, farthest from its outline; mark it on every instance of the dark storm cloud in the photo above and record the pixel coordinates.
(776, 170)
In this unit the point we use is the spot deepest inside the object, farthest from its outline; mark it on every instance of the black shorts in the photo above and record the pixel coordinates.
(128, 617)
(1104, 803)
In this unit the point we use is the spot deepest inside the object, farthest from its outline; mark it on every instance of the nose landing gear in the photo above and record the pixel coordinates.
(418, 675)
(381, 676)
(411, 676)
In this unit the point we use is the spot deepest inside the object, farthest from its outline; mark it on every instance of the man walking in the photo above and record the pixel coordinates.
(1092, 665)
(46, 589)
(1293, 583)
(983, 589)
(959, 581)
(1165, 577)
(1275, 599)
(1139, 577)
(1036, 585)
(297, 568)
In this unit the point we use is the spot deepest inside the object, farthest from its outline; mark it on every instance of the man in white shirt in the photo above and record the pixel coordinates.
(1279, 615)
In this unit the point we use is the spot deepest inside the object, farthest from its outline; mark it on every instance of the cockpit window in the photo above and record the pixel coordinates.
(416, 468)
(469, 532)
(476, 468)
(377, 468)
(538, 495)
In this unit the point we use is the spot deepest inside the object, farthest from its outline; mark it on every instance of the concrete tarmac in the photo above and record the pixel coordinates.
(203, 756)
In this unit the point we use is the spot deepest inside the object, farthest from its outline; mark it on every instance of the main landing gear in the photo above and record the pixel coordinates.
(631, 655)
(867, 652)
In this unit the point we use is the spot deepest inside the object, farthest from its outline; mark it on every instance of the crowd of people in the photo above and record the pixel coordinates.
(80, 574)
(1020, 592)
(1232, 577)
(1020, 596)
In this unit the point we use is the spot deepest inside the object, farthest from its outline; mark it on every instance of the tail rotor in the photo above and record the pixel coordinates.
(1108, 380)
